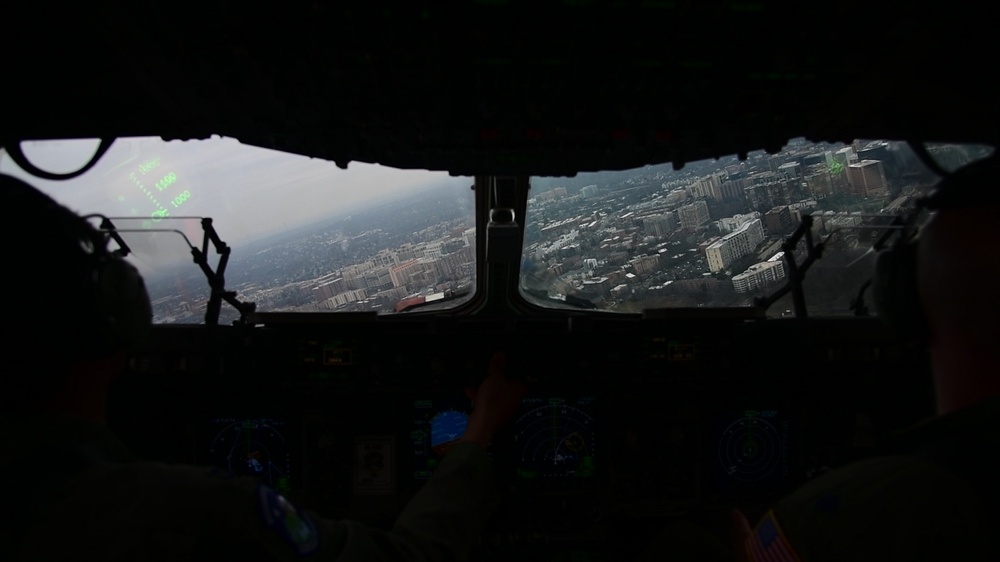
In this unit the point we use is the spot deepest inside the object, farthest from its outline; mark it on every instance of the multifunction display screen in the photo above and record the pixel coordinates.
(255, 447)
(752, 449)
(556, 438)
(437, 426)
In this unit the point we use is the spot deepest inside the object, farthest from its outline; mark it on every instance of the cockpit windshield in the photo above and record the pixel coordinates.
(714, 233)
(306, 235)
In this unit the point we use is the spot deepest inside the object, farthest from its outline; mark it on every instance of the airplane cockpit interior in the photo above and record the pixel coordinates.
(665, 214)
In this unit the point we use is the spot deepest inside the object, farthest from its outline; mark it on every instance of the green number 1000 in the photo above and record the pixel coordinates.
(181, 198)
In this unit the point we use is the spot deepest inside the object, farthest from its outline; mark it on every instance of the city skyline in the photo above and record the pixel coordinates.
(706, 235)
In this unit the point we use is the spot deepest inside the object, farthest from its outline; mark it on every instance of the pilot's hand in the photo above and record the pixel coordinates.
(495, 401)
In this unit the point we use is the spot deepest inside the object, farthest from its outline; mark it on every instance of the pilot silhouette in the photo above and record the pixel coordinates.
(934, 496)
(74, 307)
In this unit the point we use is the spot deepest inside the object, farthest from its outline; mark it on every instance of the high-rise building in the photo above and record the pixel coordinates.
(778, 221)
(660, 225)
(758, 196)
(732, 189)
(867, 179)
(433, 250)
(838, 169)
(875, 151)
(716, 180)
(815, 158)
(693, 215)
(383, 258)
(456, 263)
(845, 156)
(818, 180)
(354, 275)
(377, 279)
(776, 160)
(734, 245)
(677, 196)
(589, 191)
(328, 289)
(423, 274)
(790, 170)
(762, 178)
(707, 186)
(783, 192)
(759, 275)
(893, 164)
(730, 224)
(703, 245)
(400, 274)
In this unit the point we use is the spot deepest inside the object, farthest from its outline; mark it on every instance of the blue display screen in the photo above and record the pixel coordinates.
(437, 426)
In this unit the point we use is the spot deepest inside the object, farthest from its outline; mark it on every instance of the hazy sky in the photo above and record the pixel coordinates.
(249, 191)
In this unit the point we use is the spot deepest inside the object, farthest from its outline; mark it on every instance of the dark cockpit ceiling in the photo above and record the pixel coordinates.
(501, 86)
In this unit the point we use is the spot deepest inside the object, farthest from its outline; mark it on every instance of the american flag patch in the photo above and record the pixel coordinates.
(768, 542)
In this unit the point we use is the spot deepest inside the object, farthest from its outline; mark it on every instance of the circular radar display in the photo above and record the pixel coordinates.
(446, 428)
(753, 447)
(556, 437)
(252, 447)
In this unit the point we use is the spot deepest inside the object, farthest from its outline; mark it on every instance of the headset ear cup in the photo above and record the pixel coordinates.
(895, 293)
(126, 303)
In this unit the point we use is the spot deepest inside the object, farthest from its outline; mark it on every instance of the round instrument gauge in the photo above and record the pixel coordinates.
(556, 437)
(252, 447)
(751, 448)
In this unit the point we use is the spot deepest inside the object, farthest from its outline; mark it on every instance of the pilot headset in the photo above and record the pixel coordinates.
(895, 290)
(96, 302)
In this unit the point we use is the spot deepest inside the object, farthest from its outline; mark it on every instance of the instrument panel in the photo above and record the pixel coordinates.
(626, 426)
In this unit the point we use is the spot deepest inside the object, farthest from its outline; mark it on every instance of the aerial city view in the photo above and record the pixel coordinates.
(711, 234)
(307, 235)
(708, 235)
(403, 253)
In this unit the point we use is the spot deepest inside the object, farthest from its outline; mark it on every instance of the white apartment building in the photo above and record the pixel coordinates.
(734, 245)
(759, 275)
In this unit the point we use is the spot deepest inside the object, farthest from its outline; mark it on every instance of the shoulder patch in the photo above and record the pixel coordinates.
(289, 522)
(768, 542)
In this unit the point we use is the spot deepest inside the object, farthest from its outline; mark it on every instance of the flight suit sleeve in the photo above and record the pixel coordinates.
(890, 508)
(441, 522)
